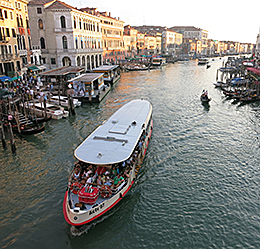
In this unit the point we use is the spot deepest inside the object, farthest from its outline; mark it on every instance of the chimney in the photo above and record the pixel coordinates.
(109, 14)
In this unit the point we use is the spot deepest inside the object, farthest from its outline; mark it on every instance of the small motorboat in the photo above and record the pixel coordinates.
(208, 66)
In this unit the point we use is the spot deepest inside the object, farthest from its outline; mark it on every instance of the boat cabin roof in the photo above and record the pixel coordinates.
(48, 105)
(105, 68)
(115, 140)
(88, 77)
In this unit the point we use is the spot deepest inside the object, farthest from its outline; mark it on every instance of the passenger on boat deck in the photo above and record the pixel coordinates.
(99, 181)
(76, 174)
(126, 175)
(129, 161)
(113, 172)
(108, 181)
(118, 180)
(90, 179)
(85, 174)
(103, 178)
(140, 144)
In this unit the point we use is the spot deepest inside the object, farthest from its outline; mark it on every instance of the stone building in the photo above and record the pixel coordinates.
(15, 37)
(169, 39)
(191, 32)
(66, 35)
(112, 35)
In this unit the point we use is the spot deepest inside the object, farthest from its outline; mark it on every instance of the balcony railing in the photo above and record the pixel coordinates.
(6, 57)
(6, 4)
(23, 52)
(80, 51)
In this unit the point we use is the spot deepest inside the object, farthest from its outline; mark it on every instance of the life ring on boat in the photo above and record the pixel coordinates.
(105, 191)
(76, 187)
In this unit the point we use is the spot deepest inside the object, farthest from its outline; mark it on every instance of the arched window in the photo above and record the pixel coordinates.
(21, 21)
(42, 42)
(15, 49)
(75, 23)
(78, 61)
(40, 24)
(23, 42)
(64, 42)
(18, 21)
(80, 24)
(76, 42)
(63, 22)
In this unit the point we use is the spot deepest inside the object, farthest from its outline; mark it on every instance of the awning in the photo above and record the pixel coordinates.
(5, 78)
(15, 78)
(254, 70)
(41, 67)
(34, 68)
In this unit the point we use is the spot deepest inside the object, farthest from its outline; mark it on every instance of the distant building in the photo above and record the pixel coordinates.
(112, 35)
(170, 40)
(191, 32)
(130, 41)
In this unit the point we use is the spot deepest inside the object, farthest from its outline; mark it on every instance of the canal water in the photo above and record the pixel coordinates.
(198, 186)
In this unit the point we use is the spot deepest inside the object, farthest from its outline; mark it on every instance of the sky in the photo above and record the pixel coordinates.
(223, 19)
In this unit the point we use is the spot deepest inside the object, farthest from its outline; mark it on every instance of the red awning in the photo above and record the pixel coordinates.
(254, 70)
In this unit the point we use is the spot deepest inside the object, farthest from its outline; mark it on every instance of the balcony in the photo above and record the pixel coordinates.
(23, 52)
(80, 51)
(4, 39)
(63, 30)
(4, 3)
(6, 57)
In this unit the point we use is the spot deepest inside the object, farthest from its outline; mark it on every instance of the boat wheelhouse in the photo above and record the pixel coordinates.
(111, 73)
(158, 61)
(89, 87)
(203, 61)
(119, 144)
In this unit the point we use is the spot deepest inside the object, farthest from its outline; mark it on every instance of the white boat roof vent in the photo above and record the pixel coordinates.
(119, 129)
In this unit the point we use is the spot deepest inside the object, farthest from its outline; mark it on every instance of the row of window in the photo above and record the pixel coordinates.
(5, 32)
(81, 24)
(19, 19)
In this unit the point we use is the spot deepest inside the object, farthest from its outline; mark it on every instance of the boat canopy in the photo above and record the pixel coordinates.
(88, 77)
(115, 140)
(105, 68)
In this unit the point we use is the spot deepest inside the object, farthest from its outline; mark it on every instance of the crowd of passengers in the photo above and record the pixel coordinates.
(111, 176)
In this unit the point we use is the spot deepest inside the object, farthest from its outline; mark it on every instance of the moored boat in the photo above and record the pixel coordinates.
(111, 73)
(52, 111)
(64, 101)
(118, 145)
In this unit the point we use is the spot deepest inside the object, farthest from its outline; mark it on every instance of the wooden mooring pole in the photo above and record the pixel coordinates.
(2, 127)
(11, 134)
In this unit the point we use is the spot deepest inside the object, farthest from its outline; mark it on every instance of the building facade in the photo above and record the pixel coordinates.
(15, 37)
(65, 35)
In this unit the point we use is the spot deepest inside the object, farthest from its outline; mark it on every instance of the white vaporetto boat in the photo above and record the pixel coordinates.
(117, 147)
